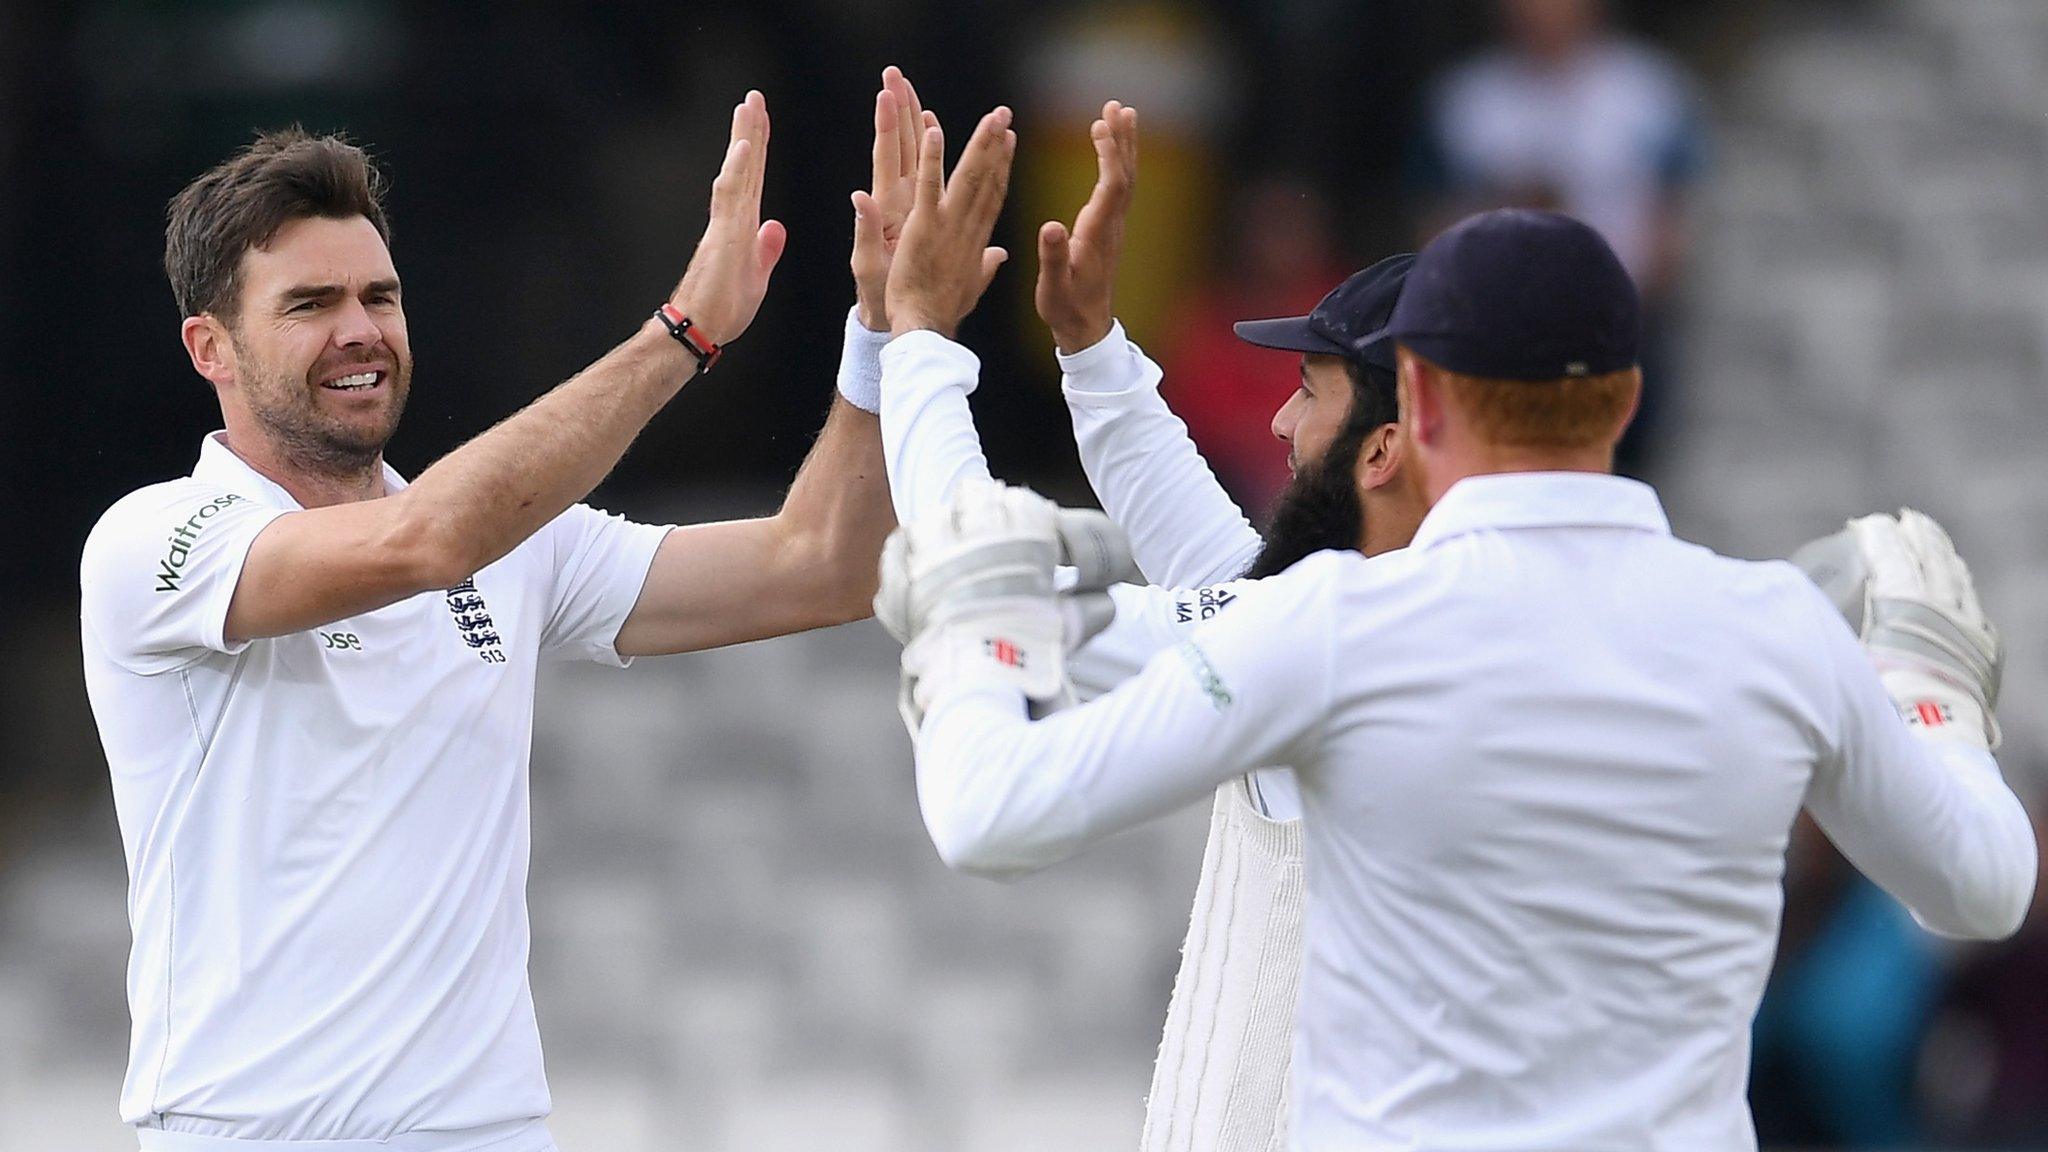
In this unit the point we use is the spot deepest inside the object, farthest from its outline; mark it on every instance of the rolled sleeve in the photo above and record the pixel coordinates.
(601, 563)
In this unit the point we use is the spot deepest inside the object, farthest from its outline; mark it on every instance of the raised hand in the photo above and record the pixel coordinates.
(879, 214)
(944, 262)
(722, 289)
(1077, 270)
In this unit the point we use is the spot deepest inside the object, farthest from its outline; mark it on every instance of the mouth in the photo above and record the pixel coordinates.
(364, 381)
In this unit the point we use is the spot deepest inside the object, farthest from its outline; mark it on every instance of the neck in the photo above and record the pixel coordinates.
(311, 486)
(1391, 516)
(1494, 459)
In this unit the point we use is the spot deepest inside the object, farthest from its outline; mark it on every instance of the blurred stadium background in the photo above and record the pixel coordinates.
(742, 938)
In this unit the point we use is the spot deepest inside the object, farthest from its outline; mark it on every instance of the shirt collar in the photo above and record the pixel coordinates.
(1542, 500)
(218, 464)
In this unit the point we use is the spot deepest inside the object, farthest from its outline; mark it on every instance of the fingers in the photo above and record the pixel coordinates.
(1894, 573)
(1948, 578)
(982, 178)
(757, 107)
(1126, 127)
(725, 189)
(1098, 550)
(931, 165)
(1118, 150)
(888, 152)
(736, 193)
(909, 117)
(1115, 140)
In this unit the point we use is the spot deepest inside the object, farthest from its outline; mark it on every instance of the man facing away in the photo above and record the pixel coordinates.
(1547, 756)
(314, 681)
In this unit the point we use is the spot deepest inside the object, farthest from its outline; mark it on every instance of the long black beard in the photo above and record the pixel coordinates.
(1318, 510)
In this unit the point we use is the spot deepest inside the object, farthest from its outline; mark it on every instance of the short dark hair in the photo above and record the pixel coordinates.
(242, 202)
(1373, 399)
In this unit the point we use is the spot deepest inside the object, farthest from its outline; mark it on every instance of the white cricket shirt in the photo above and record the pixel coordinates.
(1548, 758)
(1186, 534)
(1219, 1083)
(327, 832)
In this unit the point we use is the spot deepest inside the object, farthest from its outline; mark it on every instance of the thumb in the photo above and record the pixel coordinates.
(867, 223)
(769, 243)
(992, 258)
(1054, 258)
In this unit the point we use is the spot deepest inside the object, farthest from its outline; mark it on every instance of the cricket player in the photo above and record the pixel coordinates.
(1220, 1079)
(1547, 756)
(314, 680)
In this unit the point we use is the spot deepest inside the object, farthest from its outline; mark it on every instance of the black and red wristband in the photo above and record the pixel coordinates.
(688, 336)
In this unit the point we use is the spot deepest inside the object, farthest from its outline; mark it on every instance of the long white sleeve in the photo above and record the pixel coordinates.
(1002, 794)
(1932, 821)
(928, 439)
(1185, 529)
(1149, 620)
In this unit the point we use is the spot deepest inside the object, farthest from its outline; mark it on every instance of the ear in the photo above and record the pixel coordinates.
(1635, 405)
(1379, 458)
(211, 348)
(1420, 395)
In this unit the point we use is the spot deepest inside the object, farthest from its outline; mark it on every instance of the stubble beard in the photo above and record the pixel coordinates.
(317, 443)
(1318, 510)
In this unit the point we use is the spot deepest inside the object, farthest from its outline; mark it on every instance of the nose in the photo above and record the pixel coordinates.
(1285, 420)
(354, 326)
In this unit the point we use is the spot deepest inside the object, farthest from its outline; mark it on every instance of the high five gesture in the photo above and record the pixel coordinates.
(722, 289)
(878, 215)
(1077, 270)
(944, 262)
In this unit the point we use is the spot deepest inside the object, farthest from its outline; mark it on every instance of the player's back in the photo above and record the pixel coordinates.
(1547, 828)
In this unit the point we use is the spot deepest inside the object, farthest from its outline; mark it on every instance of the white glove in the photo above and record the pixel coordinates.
(1911, 600)
(969, 590)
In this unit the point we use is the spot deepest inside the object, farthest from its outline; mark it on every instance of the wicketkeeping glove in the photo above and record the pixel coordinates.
(970, 591)
(1909, 596)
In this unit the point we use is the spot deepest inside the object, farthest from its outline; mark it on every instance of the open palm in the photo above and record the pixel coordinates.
(1077, 270)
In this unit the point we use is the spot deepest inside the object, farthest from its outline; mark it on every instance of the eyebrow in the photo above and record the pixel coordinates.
(322, 291)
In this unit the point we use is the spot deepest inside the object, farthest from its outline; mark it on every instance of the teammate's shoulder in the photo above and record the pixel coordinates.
(1346, 567)
(1777, 585)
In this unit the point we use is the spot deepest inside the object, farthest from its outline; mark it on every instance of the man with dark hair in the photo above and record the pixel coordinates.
(1547, 756)
(314, 680)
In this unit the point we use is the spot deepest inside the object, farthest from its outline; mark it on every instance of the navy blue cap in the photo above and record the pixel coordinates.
(1519, 294)
(1350, 322)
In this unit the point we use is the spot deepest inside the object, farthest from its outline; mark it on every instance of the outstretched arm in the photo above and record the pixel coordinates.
(936, 277)
(1003, 794)
(1184, 528)
(814, 562)
(476, 504)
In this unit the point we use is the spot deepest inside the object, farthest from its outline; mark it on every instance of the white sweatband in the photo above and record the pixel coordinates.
(860, 364)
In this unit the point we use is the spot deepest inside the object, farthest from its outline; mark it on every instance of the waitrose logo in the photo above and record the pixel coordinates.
(171, 568)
